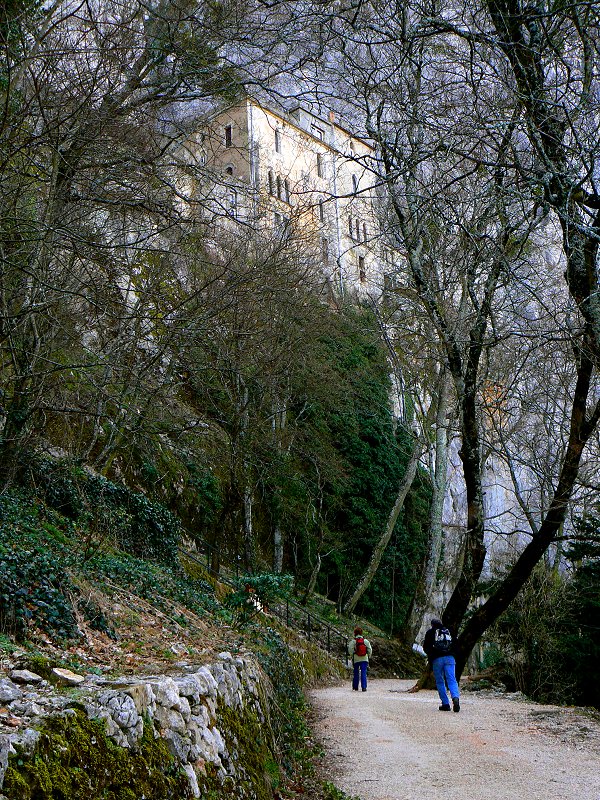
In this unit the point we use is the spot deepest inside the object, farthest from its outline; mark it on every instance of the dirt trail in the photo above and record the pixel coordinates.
(386, 744)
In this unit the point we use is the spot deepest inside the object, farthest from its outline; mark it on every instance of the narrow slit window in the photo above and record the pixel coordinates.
(233, 202)
(228, 136)
(321, 211)
(277, 141)
(319, 165)
(278, 188)
(286, 187)
(361, 269)
(354, 184)
(271, 182)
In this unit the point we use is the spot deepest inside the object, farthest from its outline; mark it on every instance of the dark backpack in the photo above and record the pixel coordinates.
(442, 642)
(360, 648)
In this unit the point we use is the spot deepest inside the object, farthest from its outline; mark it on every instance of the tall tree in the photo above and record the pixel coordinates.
(479, 136)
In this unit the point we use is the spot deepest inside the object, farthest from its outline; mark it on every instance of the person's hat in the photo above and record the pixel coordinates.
(436, 623)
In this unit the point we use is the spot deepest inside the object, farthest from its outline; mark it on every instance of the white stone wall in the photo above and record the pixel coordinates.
(182, 709)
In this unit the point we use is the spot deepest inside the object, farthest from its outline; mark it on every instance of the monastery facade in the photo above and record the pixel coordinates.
(295, 173)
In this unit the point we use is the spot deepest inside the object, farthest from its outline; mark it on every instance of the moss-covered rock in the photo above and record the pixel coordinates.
(75, 760)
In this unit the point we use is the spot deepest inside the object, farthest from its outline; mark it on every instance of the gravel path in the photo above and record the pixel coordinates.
(386, 744)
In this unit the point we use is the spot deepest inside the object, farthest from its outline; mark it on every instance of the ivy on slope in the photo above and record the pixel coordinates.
(136, 523)
(43, 557)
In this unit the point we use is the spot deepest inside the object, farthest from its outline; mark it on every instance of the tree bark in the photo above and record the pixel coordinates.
(582, 428)
(439, 475)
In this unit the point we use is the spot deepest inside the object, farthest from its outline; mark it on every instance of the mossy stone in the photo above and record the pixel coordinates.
(75, 760)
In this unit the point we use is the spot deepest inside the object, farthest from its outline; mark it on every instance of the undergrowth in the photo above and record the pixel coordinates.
(45, 556)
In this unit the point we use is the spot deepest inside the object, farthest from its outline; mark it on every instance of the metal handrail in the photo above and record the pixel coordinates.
(283, 610)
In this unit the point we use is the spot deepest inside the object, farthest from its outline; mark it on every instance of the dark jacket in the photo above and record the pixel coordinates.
(428, 643)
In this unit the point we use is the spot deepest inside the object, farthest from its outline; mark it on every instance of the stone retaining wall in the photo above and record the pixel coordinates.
(186, 710)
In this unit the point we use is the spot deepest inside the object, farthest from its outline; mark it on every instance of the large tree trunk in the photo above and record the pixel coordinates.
(581, 430)
(439, 475)
(277, 549)
(407, 480)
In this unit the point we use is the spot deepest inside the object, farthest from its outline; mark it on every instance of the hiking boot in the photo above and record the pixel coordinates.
(455, 704)
(444, 708)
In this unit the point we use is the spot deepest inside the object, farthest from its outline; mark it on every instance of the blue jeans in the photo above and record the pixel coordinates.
(443, 672)
(360, 671)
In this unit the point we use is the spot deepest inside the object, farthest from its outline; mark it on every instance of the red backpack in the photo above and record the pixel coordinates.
(360, 648)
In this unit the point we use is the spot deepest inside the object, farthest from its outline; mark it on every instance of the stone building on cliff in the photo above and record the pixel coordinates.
(293, 174)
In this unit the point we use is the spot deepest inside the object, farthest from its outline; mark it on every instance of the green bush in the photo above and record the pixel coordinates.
(254, 592)
(42, 561)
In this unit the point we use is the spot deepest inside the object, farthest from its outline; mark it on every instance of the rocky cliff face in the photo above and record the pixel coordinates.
(205, 729)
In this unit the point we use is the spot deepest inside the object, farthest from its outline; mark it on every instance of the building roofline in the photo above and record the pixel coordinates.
(285, 116)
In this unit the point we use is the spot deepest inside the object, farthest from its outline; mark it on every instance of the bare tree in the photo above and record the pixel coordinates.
(477, 136)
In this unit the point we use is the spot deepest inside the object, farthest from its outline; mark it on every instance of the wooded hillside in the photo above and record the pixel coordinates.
(166, 377)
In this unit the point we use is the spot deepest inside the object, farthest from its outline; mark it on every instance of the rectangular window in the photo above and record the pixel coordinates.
(318, 132)
(228, 136)
(361, 269)
(321, 211)
(278, 181)
(286, 187)
(319, 165)
(277, 141)
(271, 182)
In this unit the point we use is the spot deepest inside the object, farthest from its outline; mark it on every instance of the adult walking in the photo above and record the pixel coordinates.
(360, 649)
(440, 649)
